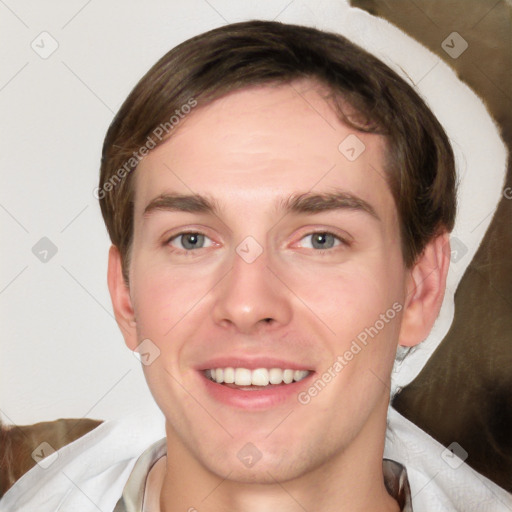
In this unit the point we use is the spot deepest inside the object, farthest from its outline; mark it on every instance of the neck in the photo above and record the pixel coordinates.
(351, 480)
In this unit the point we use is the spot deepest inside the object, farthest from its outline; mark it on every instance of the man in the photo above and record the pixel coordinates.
(290, 194)
(279, 203)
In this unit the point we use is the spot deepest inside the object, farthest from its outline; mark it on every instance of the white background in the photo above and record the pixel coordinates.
(62, 354)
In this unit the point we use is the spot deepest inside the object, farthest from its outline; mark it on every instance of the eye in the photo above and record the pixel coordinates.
(322, 241)
(189, 241)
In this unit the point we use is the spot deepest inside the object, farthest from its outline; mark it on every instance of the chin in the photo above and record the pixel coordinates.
(243, 462)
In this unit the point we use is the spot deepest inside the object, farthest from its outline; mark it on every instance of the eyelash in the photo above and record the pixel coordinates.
(343, 242)
(184, 233)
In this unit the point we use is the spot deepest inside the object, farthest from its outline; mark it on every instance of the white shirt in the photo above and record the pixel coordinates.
(90, 474)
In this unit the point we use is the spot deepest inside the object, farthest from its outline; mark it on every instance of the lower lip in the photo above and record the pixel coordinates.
(255, 399)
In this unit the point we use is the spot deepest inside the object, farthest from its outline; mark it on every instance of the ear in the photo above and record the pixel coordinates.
(426, 285)
(121, 300)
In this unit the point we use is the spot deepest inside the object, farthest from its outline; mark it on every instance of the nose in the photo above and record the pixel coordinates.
(252, 297)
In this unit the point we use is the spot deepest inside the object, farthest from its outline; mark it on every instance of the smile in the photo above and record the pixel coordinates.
(259, 377)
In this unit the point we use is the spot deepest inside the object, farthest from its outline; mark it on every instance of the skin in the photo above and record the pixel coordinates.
(247, 151)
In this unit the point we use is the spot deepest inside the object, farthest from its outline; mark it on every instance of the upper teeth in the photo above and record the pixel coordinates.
(257, 377)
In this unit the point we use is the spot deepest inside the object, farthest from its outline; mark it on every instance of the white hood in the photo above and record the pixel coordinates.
(481, 155)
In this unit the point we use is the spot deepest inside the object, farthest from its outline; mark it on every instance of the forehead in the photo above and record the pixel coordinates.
(255, 146)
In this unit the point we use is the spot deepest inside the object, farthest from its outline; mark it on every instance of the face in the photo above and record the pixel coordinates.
(285, 264)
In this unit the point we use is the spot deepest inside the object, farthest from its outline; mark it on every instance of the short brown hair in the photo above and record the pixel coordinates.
(419, 166)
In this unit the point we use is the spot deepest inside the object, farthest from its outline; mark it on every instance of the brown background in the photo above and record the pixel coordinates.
(464, 393)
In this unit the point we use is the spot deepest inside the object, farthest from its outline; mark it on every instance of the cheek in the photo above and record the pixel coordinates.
(351, 297)
(162, 299)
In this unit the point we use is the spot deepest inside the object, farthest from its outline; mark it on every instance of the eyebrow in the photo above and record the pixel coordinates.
(192, 203)
(327, 201)
(307, 203)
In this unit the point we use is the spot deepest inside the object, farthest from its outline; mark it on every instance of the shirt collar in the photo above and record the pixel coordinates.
(397, 484)
(132, 500)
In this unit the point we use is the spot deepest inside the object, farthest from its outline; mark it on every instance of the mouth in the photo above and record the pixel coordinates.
(254, 388)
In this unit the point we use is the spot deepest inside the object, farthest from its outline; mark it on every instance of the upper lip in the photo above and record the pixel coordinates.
(251, 363)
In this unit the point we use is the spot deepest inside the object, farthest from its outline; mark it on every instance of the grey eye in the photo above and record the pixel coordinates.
(322, 240)
(192, 240)
(189, 241)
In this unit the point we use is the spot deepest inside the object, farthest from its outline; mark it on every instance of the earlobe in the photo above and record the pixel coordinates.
(425, 291)
(121, 300)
